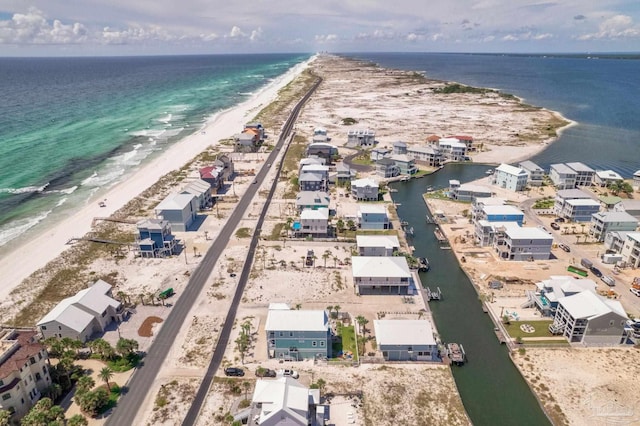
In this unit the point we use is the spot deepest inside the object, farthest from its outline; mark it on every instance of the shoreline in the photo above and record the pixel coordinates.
(52, 241)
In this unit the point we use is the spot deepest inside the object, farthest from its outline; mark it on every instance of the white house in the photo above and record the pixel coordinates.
(452, 149)
(590, 319)
(510, 177)
(179, 210)
(468, 192)
(361, 137)
(79, 316)
(314, 222)
(406, 340)
(377, 245)
(381, 274)
(201, 190)
(631, 249)
(285, 402)
(630, 206)
(365, 189)
(562, 176)
(604, 222)
(427, 155)
(549, 291)
(606, 177)
(535, 172)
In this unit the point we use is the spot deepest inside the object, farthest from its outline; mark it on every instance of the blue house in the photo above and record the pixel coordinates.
(155, 238)
(295, 335)
(501, 214)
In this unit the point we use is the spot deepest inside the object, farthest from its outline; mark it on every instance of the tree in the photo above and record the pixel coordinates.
(326, 255)
(84, 384)
(246, 385)
(126, 346)
(335, 261)
(362, 322)
(92, 402)
(337, 309)
(242, 344)
(106, 374)
(102, 348)
(53, 391)
(351, 225)
(64, 368)
(4, 417)
(340, 225)
(43, 413)
(77, 420)
(54, 346)
(321, 384)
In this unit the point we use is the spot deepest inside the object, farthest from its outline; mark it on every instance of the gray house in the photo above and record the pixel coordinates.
(179, 210)
(361, 137)
(323, 150)
(312, 181)
(535, 172)
(590, 319)
(312, 200)
(604, 222)
(201, 190)
(381, 274)
(406, 340)
(373, 216)
(79, 316)
(295, 335)
(377, 245)
(387, 168)
(523, 243)
(379, 153)
(365, 189)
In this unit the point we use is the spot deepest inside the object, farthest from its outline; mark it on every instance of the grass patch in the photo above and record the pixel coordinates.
(124, 363)
(243, 233)
(533, 343)
(277, 231)
(347, 341)
(541, 329)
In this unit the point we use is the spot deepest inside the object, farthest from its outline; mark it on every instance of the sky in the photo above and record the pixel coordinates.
(141, 27)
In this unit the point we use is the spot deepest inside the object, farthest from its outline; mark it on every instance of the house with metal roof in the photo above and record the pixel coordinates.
(510, 177)
(605, 178)
(285, 402)
(428, 155)
(323, 150)
(562, 176)
(406, 340)
(379, 153)
(399, 148)
(310, 161)
(630, 206)
(381, 275)
(298, 334)
(523, 243)
(78, 317)
(535, 172)
(155, 238)
(377, 245)
(312, 181)
(213, 175)
(468, 192)
(373, 216)
(201, 190)
(365, 189)
(405, 164)
(387, 168)
(313, 223)
(631, 249)
(452, 149)
(604, 222)
(590, 319)
(312, 200)
(361, 137)
(179, 210)
(548, 292)
(584, 173)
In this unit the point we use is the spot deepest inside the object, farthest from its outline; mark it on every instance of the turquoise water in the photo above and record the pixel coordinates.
(71, 127)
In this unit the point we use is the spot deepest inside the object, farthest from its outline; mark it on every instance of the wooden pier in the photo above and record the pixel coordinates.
(500, 335)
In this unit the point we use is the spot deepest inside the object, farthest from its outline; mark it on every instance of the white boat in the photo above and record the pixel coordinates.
(489, 172)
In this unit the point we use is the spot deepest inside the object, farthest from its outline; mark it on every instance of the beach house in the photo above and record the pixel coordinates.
(365, 189)
(468, 192)
(78, 317)
(615, 240)
(379, 153)
(479, 203)
(202, 191)
(584, 173)
(226, 163)
(285, 402)
(535, 172)
(399, 148)
(312, 200)
(298, 334)
(343, 174)
(313, 181)
(360, 137)
(523, 244)
(500, 213)
(604, 178)
(562, 176)
(314, 223)
(564, 208)
(247, 141)
(406, 340)
(405, 164)
(548, 292)
(426, 155)
(490, 219)
(322, 150)
(510, 177)
(590, 319)
(377, 245)
(180, 210)
(213, 175)
(257, 128)
(604, 222)
(373, 216)
(631, 250)
(24, 372)
(452, 149)
(629, 206)
(387, 168)
(155, 238)
(377, 275)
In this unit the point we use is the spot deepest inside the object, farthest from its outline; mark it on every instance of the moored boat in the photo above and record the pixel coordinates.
(455, 353)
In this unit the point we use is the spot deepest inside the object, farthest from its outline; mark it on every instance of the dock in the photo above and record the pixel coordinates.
(439, 235)
(500, 336)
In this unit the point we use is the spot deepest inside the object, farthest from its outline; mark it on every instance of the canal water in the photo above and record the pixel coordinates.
(493, 391)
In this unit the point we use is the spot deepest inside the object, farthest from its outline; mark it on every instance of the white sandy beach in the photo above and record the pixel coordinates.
(37, 252)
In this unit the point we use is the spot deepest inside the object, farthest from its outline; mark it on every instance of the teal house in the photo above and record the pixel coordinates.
(295, 335)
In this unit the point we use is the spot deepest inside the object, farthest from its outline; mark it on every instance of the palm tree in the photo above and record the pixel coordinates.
(77, 420)
(303, 258)
(246, 385)
(326, 255)
(337, 309)
(84, 384)
(106, 374)
(335, 261)
(362, 322)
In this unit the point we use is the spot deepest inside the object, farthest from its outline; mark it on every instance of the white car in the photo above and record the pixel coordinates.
(288, 373)
(635, 291)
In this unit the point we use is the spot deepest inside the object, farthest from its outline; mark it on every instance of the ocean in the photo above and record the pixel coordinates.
(600, 93)
(70, 127)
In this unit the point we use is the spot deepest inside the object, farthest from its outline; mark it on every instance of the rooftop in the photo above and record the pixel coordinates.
(512, 170)
(386, 241)
(615, 217)
(563, 168)
(580, 167)
(404, 332)
(380, 266)
(583, 202)
(296, 320)
(573, 193)
(17, 347)
(502, 210)
(319, 214)
(175, 202)
(364, 182)
(608, 174)
(589, 305)
(528, 233)
(372, 208)
(531, 166)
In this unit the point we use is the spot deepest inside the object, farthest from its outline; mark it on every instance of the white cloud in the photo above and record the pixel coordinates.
(256, 34)
(236, 32)
(615, 27)
(325, 38)
(33, 28)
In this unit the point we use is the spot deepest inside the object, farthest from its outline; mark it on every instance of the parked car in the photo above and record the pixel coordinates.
(234, 371)
(265, 372)
(596, 271)
(289, 373)
(635, 291)
(560, 220)
(608, 280)
(564, 247)
(554, 226)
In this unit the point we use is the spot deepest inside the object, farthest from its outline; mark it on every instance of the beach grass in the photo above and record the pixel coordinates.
(541, 329)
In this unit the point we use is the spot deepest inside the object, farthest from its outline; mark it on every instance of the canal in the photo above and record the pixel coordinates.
(492, 389)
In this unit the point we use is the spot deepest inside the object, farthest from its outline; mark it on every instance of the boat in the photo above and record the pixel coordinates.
(424, 264)
(439, 235)
(429, 188)
(455, 353)
(404, 178)
(489, 172)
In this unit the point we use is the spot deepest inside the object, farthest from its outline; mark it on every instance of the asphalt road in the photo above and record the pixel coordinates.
(348, 160)
(142, 380)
